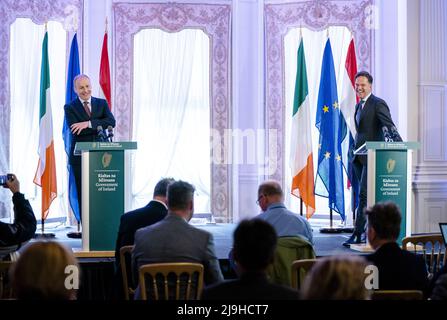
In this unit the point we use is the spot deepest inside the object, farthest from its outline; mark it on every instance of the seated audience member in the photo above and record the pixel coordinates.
(153, 212)
(440, 288)
(41, 273)
(433, 280)
(398, 269)
(12, 235)
(336, 278)
(285, 222)
(254, 244)
(173, 239)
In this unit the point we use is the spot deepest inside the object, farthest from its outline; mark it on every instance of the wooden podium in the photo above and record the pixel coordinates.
(389, 177)
(105, 172)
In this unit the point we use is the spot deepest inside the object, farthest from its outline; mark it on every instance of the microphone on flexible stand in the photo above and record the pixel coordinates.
(386, 134)
(101, 135)
(396, 136)
(110, 133)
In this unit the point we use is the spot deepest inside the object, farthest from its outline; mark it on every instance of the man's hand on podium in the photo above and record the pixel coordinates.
(76, 128)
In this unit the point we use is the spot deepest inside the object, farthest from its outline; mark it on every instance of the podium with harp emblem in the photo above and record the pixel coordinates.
(389, 177)
(105, 191)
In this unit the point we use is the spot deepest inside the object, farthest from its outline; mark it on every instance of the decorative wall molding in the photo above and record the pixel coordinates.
(315, 15)
(430, 183)
(433, 124)
(68, 12)
(431, 209)
(214, 20)
(433, 53)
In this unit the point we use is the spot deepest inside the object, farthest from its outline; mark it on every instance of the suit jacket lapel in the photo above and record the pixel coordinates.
(80, 109)
(93, 106)
(368, 102)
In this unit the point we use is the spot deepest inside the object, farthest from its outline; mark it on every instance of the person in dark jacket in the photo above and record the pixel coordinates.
(398, 269)
(156, 210)
(372, 123)
(12, 235)
(254, 244)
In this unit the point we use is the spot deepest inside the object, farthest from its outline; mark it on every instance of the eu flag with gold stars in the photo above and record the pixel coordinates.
(329, 180)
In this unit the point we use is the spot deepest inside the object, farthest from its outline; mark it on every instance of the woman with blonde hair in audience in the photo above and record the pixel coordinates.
(336, 278)
(45, 270)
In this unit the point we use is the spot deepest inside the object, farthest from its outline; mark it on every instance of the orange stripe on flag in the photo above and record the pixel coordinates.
(303, 186)
(48, 180)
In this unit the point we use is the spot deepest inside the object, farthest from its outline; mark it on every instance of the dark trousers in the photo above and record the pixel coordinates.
(78, 179)
(360, 166)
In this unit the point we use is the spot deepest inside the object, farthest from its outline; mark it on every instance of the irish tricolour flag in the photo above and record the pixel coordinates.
(301, 149)
(46, 170)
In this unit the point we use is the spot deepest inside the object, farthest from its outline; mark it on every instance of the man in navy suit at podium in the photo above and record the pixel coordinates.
(373, 123)
(84, 116)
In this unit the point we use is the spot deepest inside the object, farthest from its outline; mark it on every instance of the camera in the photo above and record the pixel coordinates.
(4, 178)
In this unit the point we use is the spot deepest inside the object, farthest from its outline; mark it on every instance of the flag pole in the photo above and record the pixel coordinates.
(331, 228)
(39, 181)
(301, 206)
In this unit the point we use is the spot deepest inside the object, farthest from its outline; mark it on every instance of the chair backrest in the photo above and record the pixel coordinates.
(299, 270)
(5, 281)
(171, 281)
(8, 251)
(397, 295)
(288, 249)
(432, 247)
(125, 262)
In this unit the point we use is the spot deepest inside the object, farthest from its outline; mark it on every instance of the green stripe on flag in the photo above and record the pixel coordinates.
(301, 90)
(44, 77)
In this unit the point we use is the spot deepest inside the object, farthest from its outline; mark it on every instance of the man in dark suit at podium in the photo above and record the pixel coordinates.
(84, 115)
(373, 123)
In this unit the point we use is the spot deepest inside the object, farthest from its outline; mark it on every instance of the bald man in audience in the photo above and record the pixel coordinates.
(285, 222)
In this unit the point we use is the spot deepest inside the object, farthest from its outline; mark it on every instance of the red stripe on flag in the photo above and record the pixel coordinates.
(351, 64)
(104, 73)
(351, 68)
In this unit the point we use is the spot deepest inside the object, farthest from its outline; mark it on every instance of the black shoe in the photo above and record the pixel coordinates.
(354, 239)
(363, 238)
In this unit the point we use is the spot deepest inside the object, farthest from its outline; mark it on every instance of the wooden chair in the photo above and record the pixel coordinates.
(299, 270)
(125, 262)
(397, 295)
(432, 247)
(5, 283)
(171, 281)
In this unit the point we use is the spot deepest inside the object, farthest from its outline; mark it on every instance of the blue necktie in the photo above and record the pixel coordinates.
(359, 111)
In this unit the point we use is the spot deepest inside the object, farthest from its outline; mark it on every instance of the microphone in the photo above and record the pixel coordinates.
(101, 135)
(396, 136)
(386, 134)
(110, 133)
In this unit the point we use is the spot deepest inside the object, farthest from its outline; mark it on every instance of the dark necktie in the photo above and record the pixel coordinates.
(359, 111)
(87, 109)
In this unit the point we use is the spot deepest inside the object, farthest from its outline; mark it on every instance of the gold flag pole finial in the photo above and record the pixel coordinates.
(46, 25)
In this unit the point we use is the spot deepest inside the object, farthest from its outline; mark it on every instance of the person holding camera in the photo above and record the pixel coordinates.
(24, 225)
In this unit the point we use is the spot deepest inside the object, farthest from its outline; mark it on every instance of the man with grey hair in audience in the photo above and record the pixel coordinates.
(285, 222)
(173, 239)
